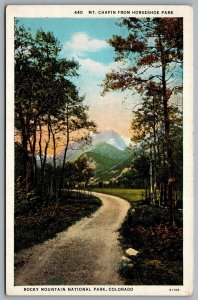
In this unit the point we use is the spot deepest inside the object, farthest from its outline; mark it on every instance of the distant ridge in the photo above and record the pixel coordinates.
(107, 136)
(107, 154)
(110, 137)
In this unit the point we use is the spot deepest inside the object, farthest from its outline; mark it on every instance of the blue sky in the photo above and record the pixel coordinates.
(86, 41)
(65, 29)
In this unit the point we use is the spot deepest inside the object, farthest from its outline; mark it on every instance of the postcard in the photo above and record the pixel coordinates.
(99, 150)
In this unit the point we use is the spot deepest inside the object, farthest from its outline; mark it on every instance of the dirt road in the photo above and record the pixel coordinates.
(87, 253)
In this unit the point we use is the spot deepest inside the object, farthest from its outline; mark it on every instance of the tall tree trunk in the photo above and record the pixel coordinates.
(32, 145)
(25, 163)
(43, 158)
(24, 141)
(55, 187)
(33, 153)
(160, 155)
(165, 194)
(168, 138)
(66, 148)
(154, 160)
(169, 144)
(151, 175)
(161, 200)
(67, 138)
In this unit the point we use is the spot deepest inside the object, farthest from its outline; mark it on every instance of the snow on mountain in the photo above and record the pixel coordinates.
(107, 136)
(111, 137)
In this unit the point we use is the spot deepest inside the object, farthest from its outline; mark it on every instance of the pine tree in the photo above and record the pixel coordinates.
(153, 53)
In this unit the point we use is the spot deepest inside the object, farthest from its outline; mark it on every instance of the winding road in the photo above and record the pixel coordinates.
(86, 253)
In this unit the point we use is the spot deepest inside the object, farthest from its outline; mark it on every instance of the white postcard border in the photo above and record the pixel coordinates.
(60, 11)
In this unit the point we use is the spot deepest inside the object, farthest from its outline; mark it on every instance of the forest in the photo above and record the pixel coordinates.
(154, 48)
(51, 118)
(49, 113)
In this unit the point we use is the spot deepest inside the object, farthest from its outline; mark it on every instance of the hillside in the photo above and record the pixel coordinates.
(108, 161)
(107, 154)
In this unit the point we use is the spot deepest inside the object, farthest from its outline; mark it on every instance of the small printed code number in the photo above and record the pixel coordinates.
(174, 290)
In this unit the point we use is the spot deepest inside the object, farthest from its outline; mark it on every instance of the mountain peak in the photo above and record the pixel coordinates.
(111, 137)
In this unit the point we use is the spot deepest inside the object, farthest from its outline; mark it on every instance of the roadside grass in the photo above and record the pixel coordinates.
(45, 222)
(146, 229)
(131, 195)
(160, 246)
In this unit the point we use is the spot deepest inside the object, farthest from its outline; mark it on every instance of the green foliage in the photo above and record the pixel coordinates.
(33, 227)
(148, 52)
(115, 160)
(109, 151)
(48, 109)
(160, 246)
(77, 174)
(153, 272)
(150, 43)
(108, 170)
(150, 216)
(40, 83)
(26, 197)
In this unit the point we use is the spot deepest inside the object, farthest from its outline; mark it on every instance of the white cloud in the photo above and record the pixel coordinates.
(98, 68)
(93, 65)
(91, 76)
(81, 42)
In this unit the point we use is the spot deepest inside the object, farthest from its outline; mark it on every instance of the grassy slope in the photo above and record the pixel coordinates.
(45, 222)
(109, 151)
(108, 170)
(131, 195)
(115, 160)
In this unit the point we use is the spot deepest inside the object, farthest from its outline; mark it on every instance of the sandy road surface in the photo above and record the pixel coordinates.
(87, 253)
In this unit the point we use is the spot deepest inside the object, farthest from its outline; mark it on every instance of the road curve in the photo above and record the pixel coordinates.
(87, 253)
